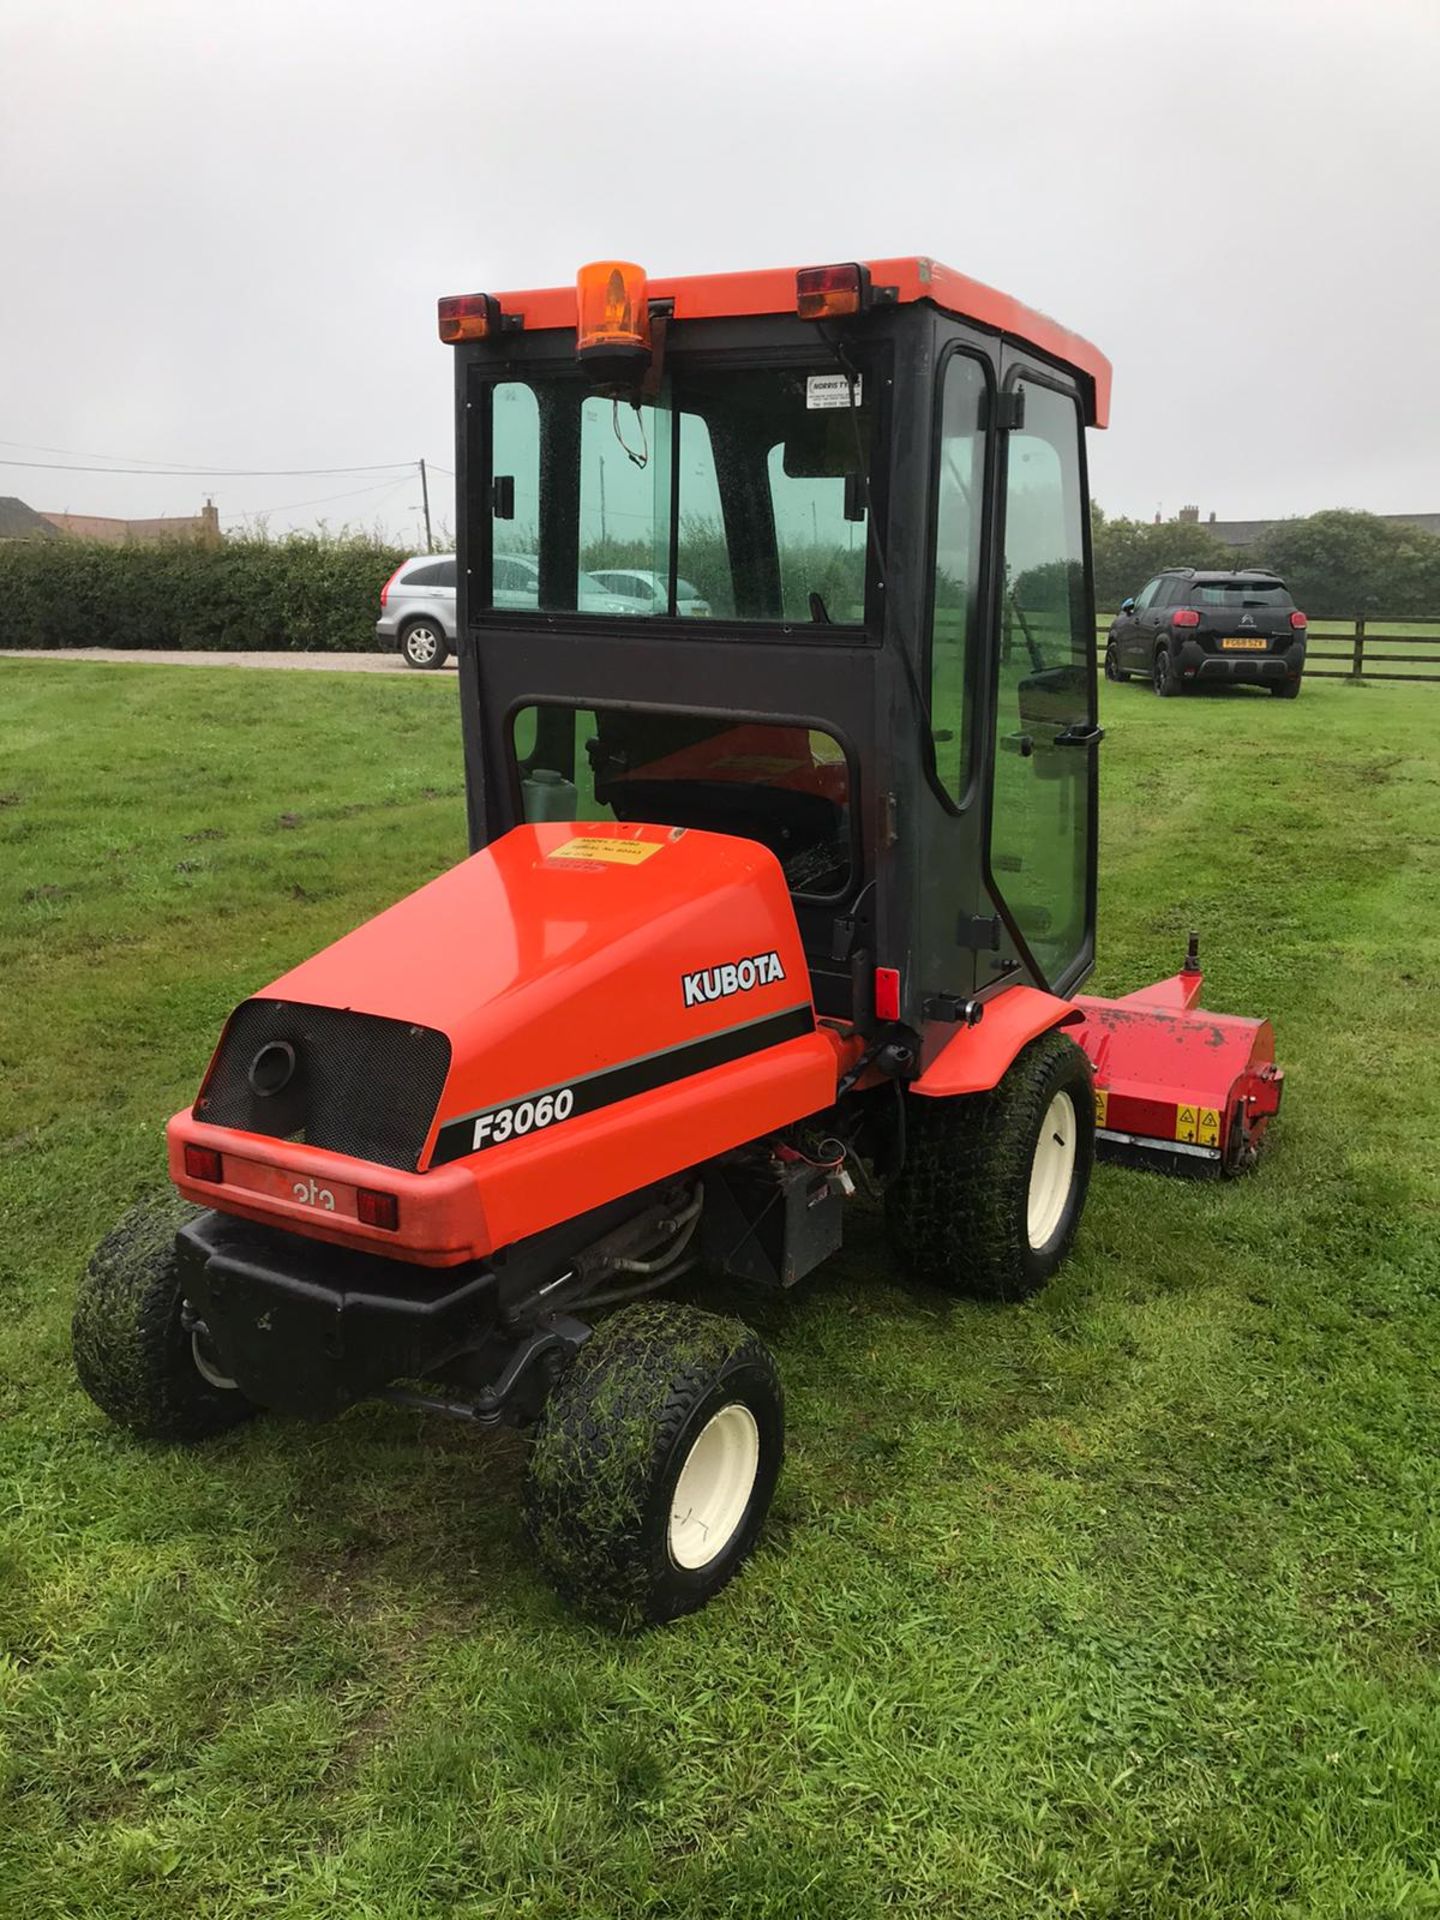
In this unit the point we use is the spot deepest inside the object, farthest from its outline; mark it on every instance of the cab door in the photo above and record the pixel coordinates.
(1042, 826)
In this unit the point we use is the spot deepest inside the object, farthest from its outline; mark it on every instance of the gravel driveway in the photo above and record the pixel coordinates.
(159, 657)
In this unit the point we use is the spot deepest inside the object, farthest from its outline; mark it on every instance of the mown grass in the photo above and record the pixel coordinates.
(1121, 1604)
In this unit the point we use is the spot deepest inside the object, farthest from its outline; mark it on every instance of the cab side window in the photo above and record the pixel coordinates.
(959, 520)
(1147, 597)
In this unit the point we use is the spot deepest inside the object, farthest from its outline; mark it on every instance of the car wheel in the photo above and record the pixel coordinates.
(1285, 689)
(1113, 669)
(654, 1463)
(424, 645)
(993, 1185)
(1164, 678)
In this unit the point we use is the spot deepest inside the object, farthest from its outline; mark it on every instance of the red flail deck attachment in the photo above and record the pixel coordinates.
(1177, 1086)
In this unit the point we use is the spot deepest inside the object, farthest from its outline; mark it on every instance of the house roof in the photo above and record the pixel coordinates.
(1244, 533)
(19, 522)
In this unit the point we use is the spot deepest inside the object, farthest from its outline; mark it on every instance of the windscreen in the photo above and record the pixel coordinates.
(785, 785)
(1235, 595)
(735, 493)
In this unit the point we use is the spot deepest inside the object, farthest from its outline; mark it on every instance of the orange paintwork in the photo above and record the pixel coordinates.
(541, 969)
(772, 290)
(975, 1058)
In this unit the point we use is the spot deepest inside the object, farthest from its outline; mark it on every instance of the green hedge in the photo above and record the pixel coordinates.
(303, 594)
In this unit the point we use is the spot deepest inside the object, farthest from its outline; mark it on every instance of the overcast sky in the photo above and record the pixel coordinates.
(224, 228)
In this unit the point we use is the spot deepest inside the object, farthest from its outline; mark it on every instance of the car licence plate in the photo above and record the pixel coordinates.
(1245, 643)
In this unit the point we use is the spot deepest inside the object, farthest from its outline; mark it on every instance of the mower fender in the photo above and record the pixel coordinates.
(977, 1058)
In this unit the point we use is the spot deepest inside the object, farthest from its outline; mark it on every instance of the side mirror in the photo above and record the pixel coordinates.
(1128, 606)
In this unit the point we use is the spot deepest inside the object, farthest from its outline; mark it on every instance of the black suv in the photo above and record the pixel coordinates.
(1187, 628)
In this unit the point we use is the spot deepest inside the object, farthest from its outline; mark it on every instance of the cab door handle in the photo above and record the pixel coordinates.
(1078, 736)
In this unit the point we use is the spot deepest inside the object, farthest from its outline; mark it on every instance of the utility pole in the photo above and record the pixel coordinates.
(425, 496)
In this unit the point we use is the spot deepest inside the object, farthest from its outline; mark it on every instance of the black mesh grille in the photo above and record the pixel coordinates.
(361, 1085)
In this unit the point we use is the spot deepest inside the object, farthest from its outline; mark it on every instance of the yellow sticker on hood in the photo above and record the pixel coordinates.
(599, 846)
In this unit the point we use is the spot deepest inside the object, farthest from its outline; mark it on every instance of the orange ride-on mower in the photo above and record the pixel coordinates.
(778, 703)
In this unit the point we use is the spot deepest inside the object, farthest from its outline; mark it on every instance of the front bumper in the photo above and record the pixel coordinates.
(1196, 663)
(309, 1329)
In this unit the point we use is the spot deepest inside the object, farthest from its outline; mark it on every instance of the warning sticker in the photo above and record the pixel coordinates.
(1200, 1125)
(613, 852)
(1102, 1105)
(831, 390)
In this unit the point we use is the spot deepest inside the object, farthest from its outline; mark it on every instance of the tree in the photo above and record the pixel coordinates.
(1130, 552)
(1338, 564)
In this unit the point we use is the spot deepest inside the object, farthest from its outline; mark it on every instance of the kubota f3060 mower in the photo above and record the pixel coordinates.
(783, 879)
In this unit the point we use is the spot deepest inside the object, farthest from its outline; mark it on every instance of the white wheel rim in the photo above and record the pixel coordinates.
(714, 1487)
(421, 644)
(207, 1369)
(1052, 1171)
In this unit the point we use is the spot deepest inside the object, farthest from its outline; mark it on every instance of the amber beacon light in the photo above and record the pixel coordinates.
(614, 316)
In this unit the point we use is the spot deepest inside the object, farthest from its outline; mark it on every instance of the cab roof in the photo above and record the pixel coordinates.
(713, 296)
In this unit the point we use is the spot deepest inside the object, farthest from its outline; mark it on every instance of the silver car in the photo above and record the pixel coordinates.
(417, 610)
(650, 593)
(417, 602)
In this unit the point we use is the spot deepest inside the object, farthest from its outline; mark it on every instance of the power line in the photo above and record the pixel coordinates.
(293, 506)
(213, 473)
(89, 453)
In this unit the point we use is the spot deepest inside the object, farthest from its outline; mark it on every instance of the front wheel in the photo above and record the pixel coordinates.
(1113, 669)
(993, 1186)
(424, 645)
(654, 1463)
(138, 1356)
(1285, 689)
(1164, 678)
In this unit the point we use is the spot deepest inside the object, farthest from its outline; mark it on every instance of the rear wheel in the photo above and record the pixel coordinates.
(1164, 678)
(1285, 689)
(654, 1462)
(424, 645)
(1113, 669)
(136, 1357)
(993, 1186)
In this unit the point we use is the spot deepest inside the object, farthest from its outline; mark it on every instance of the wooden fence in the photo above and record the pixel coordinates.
(1364, 648)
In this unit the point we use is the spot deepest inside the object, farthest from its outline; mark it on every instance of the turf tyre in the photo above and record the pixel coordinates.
(423, 645)
(133, 1353)
(617, 1433)
(959, 1214)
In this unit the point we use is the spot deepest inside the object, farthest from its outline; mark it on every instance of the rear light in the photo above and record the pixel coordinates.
(203, 1163)
(830, 293)
(467, 316)
(613, 313)
(376, 1209)
(1298, 620)
(887, 993)
(1185, 617)
(385, 590)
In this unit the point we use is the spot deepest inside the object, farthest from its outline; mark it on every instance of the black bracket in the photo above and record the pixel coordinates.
(980, 936)
(952, 1011)
(1010, 410)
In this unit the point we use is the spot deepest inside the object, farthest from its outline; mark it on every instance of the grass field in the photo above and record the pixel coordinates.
(1121, 1604)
